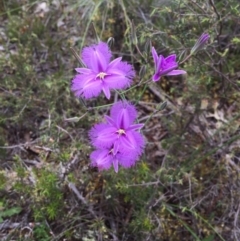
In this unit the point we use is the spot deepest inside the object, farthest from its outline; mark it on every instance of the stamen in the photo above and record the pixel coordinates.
(121, 132)
(101, 75)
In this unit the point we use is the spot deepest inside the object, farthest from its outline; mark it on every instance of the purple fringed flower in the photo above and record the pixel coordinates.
(118, 140)
(165, 66)
(200, 43)
(104, 159)
(100, 74)
(119, 130)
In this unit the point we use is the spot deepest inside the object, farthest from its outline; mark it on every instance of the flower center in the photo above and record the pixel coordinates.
(101, 75)
(121, 132)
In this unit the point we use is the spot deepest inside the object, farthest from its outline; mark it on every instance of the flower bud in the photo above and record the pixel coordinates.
(133, 34)
(110, 42)
(148, 46)
(78, 57)
(163, 106)
(142, 71)
(200, 43)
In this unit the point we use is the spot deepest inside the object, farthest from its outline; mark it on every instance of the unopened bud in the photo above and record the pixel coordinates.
(148, 46)
(133, 34)
(142, 71)
(163, 106)
(110, 42)
(78, 57)
(200, 43)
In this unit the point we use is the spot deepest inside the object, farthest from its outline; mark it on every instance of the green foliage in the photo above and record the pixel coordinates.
(48, 196)
(8, 212)
(141, 222)
(3, 180)
(41, 233)
(185, 185)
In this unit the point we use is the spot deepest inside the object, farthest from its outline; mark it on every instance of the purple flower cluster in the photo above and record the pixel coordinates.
(118, 140)
(100, 74)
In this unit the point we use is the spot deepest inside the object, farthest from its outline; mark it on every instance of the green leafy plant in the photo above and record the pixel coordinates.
(41, 233)
(9, 212)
